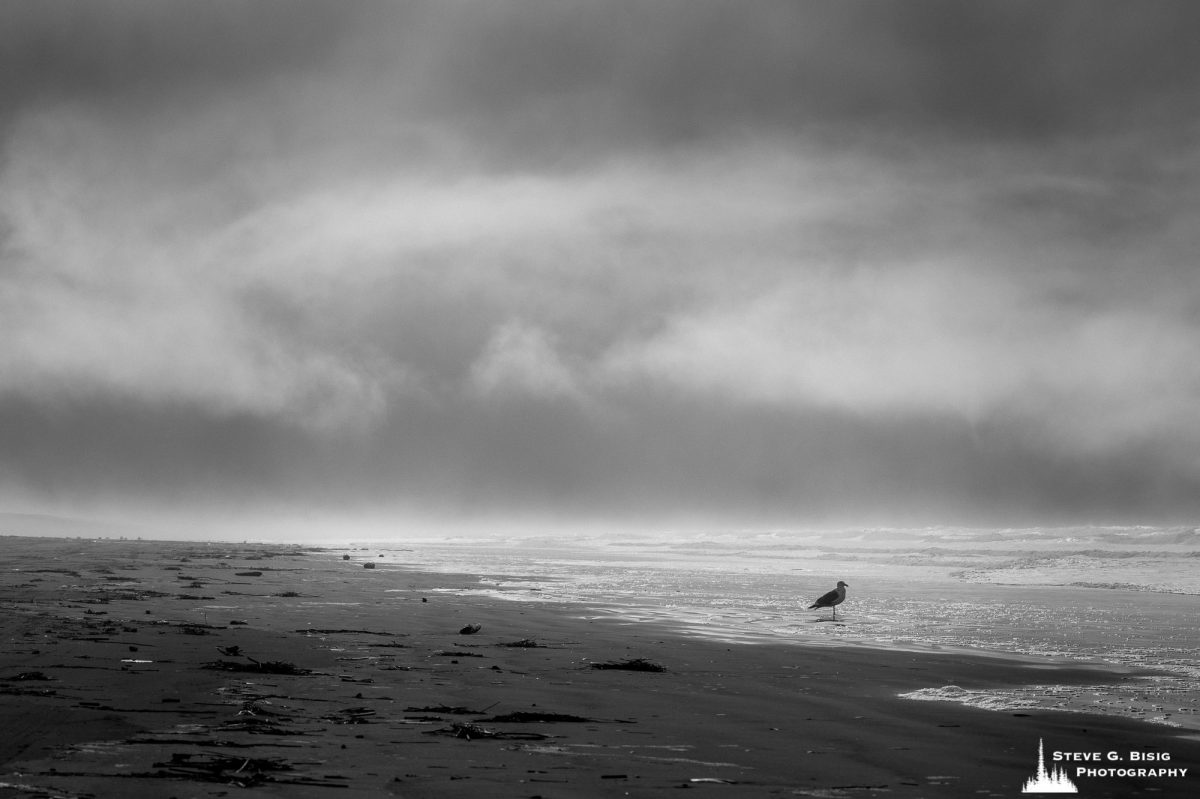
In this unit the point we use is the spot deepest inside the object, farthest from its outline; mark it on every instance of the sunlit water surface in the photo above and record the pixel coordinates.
(1126, 597)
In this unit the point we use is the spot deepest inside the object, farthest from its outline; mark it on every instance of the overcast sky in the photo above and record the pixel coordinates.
(716, 263)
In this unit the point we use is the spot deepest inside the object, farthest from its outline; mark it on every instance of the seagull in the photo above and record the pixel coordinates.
(831, 600)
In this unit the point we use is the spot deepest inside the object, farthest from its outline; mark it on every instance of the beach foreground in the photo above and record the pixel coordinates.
(168, 669)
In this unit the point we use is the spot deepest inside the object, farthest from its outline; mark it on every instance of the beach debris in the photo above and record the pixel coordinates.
(252, 725)
(882, 787)
(533, 717)
(471, 732)
(188, 625)
(252, 707)
(231, 651)
(129, 595)
(368, 565)
(345, 557)
(470, 629)
(337, 631)
(213, 742)
(636, 664)
(457, 710)
(27, 675)
(244, 772)
(5, 691)
(248, 574)
(720, 781)
(254, 666)
(524, 643)
(68, 572)
(351, 715)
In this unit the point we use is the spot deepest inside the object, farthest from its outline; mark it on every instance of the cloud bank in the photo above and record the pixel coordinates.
(647, 261)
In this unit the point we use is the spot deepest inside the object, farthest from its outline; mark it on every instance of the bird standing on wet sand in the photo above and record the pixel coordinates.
(831, 600)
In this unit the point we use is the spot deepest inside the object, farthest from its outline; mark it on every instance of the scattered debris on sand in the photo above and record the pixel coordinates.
(456, 710)
(533, 717)
(255, 667)
(636, 664)
(351, 715)
(25, 675)
(340, 631)
(471, 732)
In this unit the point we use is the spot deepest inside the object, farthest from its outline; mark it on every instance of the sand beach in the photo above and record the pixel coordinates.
(172, 669)
(507, 378)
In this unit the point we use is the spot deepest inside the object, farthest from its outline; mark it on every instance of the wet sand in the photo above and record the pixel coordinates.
(167, 669)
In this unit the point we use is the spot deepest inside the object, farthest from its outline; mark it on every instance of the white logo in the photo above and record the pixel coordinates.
(1055, 781)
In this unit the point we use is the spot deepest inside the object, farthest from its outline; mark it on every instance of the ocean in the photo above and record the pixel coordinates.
(1122, 597)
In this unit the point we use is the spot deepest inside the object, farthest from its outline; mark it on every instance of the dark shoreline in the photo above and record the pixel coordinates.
(391, 669)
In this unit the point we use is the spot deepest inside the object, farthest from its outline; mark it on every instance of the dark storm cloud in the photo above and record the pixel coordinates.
(665, 72)
(1038, 69)
(125, 51)
(677, 71)
(753, 260)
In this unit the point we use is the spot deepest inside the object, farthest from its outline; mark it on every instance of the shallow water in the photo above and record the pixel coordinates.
(1030, 593)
